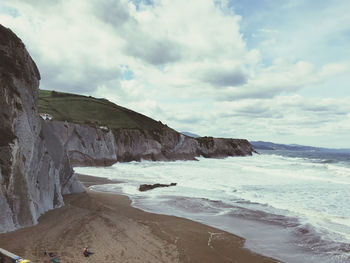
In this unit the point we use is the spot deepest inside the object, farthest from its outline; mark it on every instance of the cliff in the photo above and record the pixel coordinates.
(86, 145)
(90, 145)
(99, 132)
(223, 147)
(169, 145)
(34, 167)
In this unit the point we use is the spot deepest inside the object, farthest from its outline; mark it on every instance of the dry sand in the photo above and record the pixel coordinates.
(117, 232)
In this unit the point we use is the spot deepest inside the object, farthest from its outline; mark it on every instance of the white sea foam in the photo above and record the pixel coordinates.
(304, 202)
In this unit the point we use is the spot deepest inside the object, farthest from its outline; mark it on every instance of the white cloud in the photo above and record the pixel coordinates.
(282, 78)
(185, 63)
(288, 119)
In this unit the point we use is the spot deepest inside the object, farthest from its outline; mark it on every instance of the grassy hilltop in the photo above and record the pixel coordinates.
(88, 110)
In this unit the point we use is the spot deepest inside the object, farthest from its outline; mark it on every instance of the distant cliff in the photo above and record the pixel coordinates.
(89, 145)
(261, 145)
(34, 167)
(98, 132)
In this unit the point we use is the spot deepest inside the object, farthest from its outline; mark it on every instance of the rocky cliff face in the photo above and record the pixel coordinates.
(34, 168)
(223, 147)
(92, 146)
(169, 145)
(156, 145)
(86, 145)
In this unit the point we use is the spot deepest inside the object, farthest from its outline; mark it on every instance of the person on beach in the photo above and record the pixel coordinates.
(86, 252)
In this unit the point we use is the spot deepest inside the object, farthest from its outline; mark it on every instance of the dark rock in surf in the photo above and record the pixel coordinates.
(147, 187)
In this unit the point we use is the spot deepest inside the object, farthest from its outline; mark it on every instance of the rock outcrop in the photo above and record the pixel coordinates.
(89, 145)
(34, 168)
(169, 145)
(210, 147)
(86, 145)
(147, 187)
(155, 145)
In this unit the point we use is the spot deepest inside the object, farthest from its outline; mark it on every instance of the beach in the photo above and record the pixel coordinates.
(117, 232)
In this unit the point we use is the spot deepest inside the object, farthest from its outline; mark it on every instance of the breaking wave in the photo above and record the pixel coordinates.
(302, 201)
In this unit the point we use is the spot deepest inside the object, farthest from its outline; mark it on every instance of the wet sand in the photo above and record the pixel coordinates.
(117, 232)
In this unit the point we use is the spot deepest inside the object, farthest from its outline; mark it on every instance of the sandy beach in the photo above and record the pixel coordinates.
(117, 232)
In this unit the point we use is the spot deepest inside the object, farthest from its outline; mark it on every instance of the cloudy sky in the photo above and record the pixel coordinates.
(268, 70)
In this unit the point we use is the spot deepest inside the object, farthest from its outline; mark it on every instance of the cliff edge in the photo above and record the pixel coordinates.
(34, 167)
(98, 132)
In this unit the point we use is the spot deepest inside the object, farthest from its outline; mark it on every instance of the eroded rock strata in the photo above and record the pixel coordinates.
(34, 168)
(89, 145)
(86, 145)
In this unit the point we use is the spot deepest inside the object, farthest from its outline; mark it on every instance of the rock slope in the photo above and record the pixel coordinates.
(34, 168)
(86, 145)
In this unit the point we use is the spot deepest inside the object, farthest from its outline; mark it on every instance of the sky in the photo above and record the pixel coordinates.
(271, 70)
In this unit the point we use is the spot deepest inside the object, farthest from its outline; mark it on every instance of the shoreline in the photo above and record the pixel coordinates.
(118, 232)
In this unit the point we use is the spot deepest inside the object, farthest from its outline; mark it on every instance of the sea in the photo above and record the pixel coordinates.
(293, 206)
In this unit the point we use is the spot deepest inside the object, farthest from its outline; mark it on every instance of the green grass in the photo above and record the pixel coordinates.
(88, 110)
(44, 93)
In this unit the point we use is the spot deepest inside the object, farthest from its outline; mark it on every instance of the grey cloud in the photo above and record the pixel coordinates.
(250, 115)
(79, 80)
(112, 12)
(224, 78)
(318, 108)
(283, 132)
(42, 5)
(189, 119)
(308, 121)
(262, 115)
(326, 109)
(247, 93)
(253, 111)
(153, 51)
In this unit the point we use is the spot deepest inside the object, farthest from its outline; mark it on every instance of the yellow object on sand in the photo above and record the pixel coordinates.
(24, 261)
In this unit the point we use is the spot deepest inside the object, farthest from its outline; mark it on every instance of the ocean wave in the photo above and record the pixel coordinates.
(318, 241)
(308, 197)
(328, 161)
